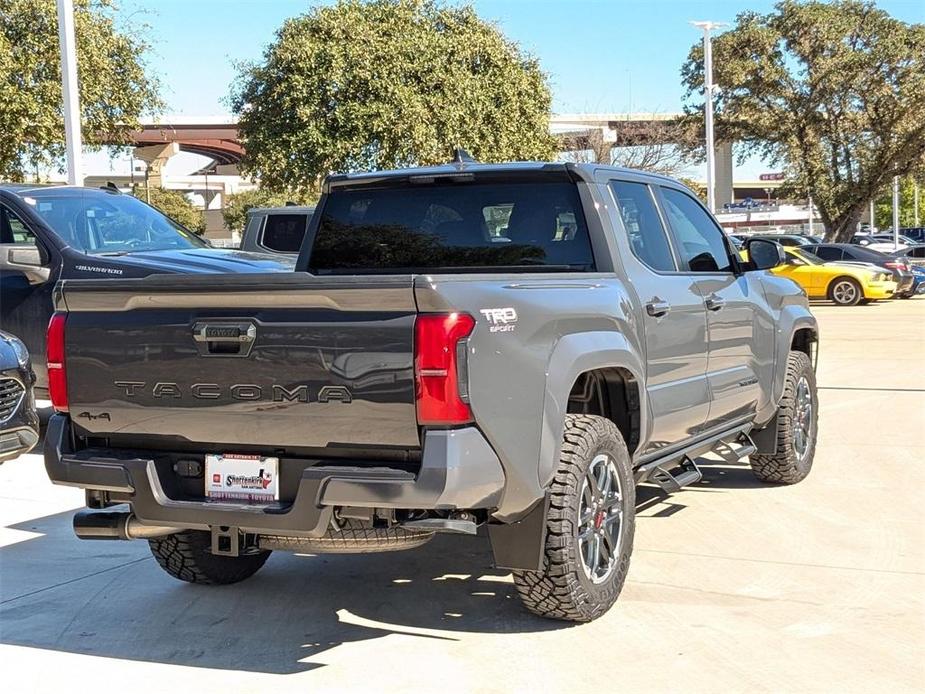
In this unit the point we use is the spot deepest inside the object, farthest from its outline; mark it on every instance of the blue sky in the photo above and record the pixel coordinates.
(601, 55)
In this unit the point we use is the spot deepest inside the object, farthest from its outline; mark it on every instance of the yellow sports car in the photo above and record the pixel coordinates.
(845, 285)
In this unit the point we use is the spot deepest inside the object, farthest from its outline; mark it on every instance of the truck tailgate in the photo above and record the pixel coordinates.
(266, 361)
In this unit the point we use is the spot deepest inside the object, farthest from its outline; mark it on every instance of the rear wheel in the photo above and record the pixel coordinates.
(797, 425)
(845, 291)
(188, 557)
(589, 526)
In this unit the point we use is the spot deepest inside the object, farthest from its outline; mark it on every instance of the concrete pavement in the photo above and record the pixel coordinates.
(734, 586)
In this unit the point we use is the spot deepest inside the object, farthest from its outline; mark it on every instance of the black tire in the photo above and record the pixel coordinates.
(188, 557)
(845, 291)
(790, 464)
(564, 588)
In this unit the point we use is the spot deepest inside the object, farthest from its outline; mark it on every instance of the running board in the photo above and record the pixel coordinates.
(676, 470)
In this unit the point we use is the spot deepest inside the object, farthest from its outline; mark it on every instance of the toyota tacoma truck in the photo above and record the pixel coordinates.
(514, 346)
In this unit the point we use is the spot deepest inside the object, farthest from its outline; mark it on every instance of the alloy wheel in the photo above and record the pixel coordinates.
(600, 519)
(845, 293)
(802, 419)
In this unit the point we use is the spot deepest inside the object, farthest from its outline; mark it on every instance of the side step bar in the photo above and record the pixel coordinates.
(677, 470)
(671, 481)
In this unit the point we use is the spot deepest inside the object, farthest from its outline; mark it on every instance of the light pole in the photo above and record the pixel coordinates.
(69, 92)
(895, 211)
(915, 202)
(707, 27)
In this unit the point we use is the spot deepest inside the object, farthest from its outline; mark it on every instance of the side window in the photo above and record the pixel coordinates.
(828, 253)
(702, 245)
(917, 252)
(12, 229)
(643, 225)
(284, 232)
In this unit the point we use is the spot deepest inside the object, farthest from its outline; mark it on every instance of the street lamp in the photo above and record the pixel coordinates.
(708, 88)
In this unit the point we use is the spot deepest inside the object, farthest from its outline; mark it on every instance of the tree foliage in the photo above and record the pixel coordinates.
(833, 91)
(234, 213)
(387, 83)
(883, 208)
(175, 205)
(114, 89)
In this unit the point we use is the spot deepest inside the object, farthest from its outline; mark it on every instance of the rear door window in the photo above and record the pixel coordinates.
(283, 233)
(647, 235)
(445, 227)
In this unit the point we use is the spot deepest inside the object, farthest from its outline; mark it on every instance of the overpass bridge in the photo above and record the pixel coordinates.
(216, 137)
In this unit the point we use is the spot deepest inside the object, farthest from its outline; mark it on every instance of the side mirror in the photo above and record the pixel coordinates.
(29, 261)
(28, 256)
(764, 254)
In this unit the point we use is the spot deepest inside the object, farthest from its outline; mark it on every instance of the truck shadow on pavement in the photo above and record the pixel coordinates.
(110, 599)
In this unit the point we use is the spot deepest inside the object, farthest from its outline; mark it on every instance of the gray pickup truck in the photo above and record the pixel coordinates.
(510, 346)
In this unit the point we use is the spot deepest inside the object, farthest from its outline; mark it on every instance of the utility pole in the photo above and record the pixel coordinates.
(707, 27)
(895, 211)
(69, 91)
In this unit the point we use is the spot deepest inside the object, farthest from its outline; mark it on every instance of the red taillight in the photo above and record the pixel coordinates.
(437, 367)
(57, 374)
(893, 265)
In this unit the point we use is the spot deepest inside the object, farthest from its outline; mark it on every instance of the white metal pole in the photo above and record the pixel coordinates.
(70, 92)
(895, 210)
(915, 202)
(708, 97)
(871, 227)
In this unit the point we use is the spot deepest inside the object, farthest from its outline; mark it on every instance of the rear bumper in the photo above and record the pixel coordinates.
(459, 470)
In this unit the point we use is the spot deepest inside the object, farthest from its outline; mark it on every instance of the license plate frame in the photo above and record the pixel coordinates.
(242, 478)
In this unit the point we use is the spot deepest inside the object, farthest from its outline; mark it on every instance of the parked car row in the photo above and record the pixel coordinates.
(852, 273)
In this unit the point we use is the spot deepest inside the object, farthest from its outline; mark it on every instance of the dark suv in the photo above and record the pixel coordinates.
(19, 425)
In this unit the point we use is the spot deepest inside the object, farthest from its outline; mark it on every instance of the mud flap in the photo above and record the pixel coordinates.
(765, 439)
(521, 545)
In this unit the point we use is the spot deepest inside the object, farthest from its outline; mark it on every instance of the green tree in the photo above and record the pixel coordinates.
(175, 205)
(883, 208)
(387, 83)
(832, 91)
(234, 213)
(114, 89)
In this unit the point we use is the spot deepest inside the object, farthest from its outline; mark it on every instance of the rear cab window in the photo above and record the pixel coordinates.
(452, 226)
(283, 233)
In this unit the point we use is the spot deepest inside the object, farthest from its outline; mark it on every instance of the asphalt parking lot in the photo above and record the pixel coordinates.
(734, 585)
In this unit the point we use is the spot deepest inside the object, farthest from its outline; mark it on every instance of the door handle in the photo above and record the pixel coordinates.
(715, 302)
(657, 308)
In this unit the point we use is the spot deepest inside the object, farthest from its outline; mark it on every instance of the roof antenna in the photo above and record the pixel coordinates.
(112, 188)
(461, 156)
